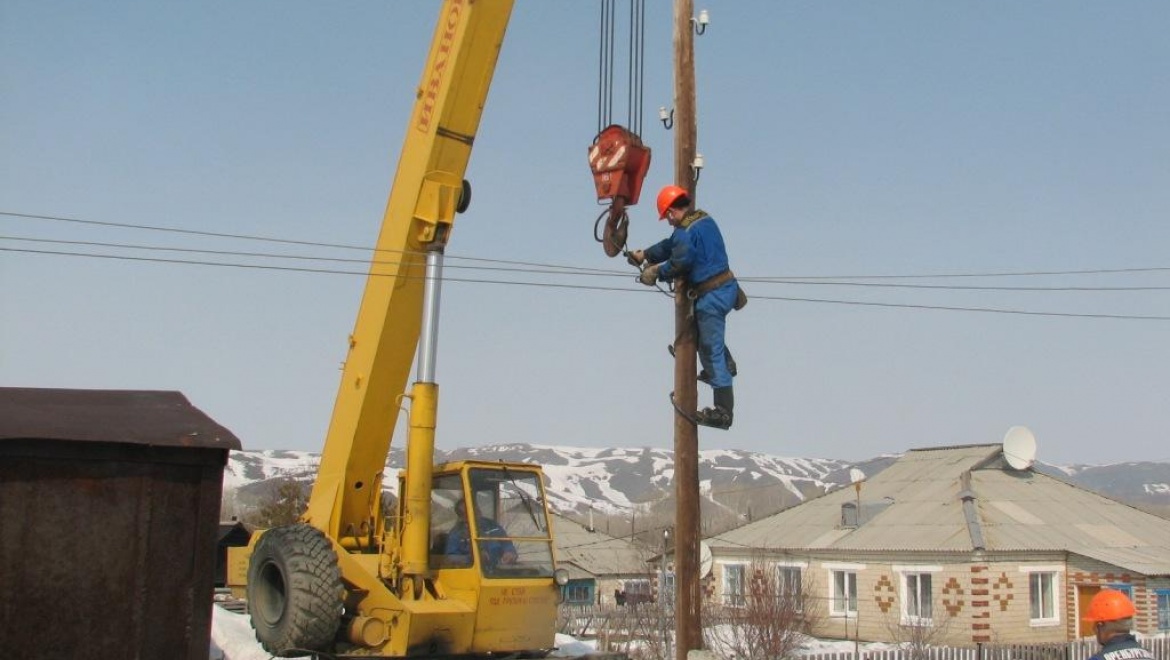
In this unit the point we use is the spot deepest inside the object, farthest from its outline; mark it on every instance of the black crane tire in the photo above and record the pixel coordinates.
(295, 593)
(464, 202)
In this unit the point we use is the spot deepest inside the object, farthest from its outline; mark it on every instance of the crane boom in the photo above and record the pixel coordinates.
(467, 568)
(427, 190)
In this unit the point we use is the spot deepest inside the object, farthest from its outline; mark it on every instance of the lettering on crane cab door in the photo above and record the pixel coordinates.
(519, 596)
(430, 92)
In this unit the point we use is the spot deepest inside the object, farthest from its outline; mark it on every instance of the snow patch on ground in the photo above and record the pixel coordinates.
(232, 638)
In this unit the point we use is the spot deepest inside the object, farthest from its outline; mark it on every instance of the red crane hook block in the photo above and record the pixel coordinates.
(619, 162)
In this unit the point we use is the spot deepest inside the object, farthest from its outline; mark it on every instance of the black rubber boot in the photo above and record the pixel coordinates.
(718, 416)
(725, 398)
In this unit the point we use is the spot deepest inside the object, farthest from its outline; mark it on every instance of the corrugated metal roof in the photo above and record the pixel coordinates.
(1015, 511)
(1028, 510)
(596, 553)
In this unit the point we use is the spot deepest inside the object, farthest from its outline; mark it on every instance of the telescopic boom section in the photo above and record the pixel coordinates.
(419, 215)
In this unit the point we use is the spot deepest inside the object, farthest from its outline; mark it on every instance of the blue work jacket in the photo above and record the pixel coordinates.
(1122, 647)
(695, 249)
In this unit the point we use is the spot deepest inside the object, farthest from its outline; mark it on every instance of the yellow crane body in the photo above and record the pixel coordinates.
(465, 565)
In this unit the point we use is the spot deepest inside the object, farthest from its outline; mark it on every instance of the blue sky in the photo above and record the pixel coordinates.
(840, 139)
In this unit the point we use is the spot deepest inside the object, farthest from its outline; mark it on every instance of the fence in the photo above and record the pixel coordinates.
(647, 621)
(1159, 647)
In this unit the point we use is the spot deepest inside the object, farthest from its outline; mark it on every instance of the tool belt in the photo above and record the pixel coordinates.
(711, 283)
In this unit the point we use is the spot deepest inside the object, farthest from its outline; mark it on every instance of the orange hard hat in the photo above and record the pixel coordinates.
(668, 196)
(1109, 605)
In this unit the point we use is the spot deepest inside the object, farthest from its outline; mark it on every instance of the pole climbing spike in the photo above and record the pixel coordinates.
(619, 162)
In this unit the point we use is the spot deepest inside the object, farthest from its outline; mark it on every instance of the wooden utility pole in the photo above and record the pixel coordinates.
(688, 620)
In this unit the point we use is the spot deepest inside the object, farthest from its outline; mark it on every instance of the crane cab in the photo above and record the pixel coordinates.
(491, 548)
(491, 516)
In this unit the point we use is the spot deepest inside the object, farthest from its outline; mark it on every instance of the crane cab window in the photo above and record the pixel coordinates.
(507, 531)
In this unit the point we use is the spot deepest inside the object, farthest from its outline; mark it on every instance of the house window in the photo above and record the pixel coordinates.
(1163, 609)
(733, 584)
(789, 586)
(917, 606)
(637, 592)
(668, 588)
(578, 592)
(844, 600)
(1042, 597)
(1126, 589)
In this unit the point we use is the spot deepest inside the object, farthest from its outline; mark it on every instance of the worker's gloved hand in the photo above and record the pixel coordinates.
(649, 276)
(636, 257)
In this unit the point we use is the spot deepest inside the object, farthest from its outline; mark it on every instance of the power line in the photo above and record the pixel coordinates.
(792, 279)
(985, 310)
(526, 268)
(1017, 273)
(547, 270)
(949, 287)
(269, 239)
(319, 271)
(191, 232)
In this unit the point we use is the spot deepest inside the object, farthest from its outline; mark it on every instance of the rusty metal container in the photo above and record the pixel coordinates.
(109, 512)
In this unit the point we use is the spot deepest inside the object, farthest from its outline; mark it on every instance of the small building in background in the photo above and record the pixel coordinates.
(232, 534)
(600, 566)
(109, 506)
(958, 545)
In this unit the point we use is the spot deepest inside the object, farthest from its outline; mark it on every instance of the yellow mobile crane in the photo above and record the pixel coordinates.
(346, 581)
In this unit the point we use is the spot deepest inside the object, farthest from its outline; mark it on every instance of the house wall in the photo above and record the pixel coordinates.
(1155, 586)
(1086, 576)
(972, 601)
(635, 589)
(1001, 600)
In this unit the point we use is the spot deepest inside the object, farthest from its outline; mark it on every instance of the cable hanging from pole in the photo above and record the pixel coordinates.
(617, 158)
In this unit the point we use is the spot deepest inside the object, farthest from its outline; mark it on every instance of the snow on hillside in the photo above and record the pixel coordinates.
(617, 480)
(607, 480)
(250, 466)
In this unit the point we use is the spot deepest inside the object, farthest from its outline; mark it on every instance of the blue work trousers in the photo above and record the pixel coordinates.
(711, 310)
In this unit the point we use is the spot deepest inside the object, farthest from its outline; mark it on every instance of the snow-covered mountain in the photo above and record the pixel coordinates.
(621, 481)
(611, 481)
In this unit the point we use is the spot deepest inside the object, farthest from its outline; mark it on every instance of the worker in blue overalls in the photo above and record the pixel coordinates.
(695, 250)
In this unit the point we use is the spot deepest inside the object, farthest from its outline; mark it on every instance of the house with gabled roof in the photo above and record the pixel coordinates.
(958, 541)
(599, 565)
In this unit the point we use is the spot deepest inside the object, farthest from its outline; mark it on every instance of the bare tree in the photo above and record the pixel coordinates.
(641, 630)
(283, 506)
(769, 621)
(917, 636)
(229, 506)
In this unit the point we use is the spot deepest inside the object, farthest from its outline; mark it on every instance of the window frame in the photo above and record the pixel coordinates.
(730, 596)
(1123, 587)
(577, 592)
(913, 594)
(667, 588)
(846, 593)
(1038, 575)
(794, 588)
(916, 572)
(1162, 597)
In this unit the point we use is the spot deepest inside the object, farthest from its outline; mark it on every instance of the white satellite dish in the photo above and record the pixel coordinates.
(1019, 448)
(856, 475)
(705, 560)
